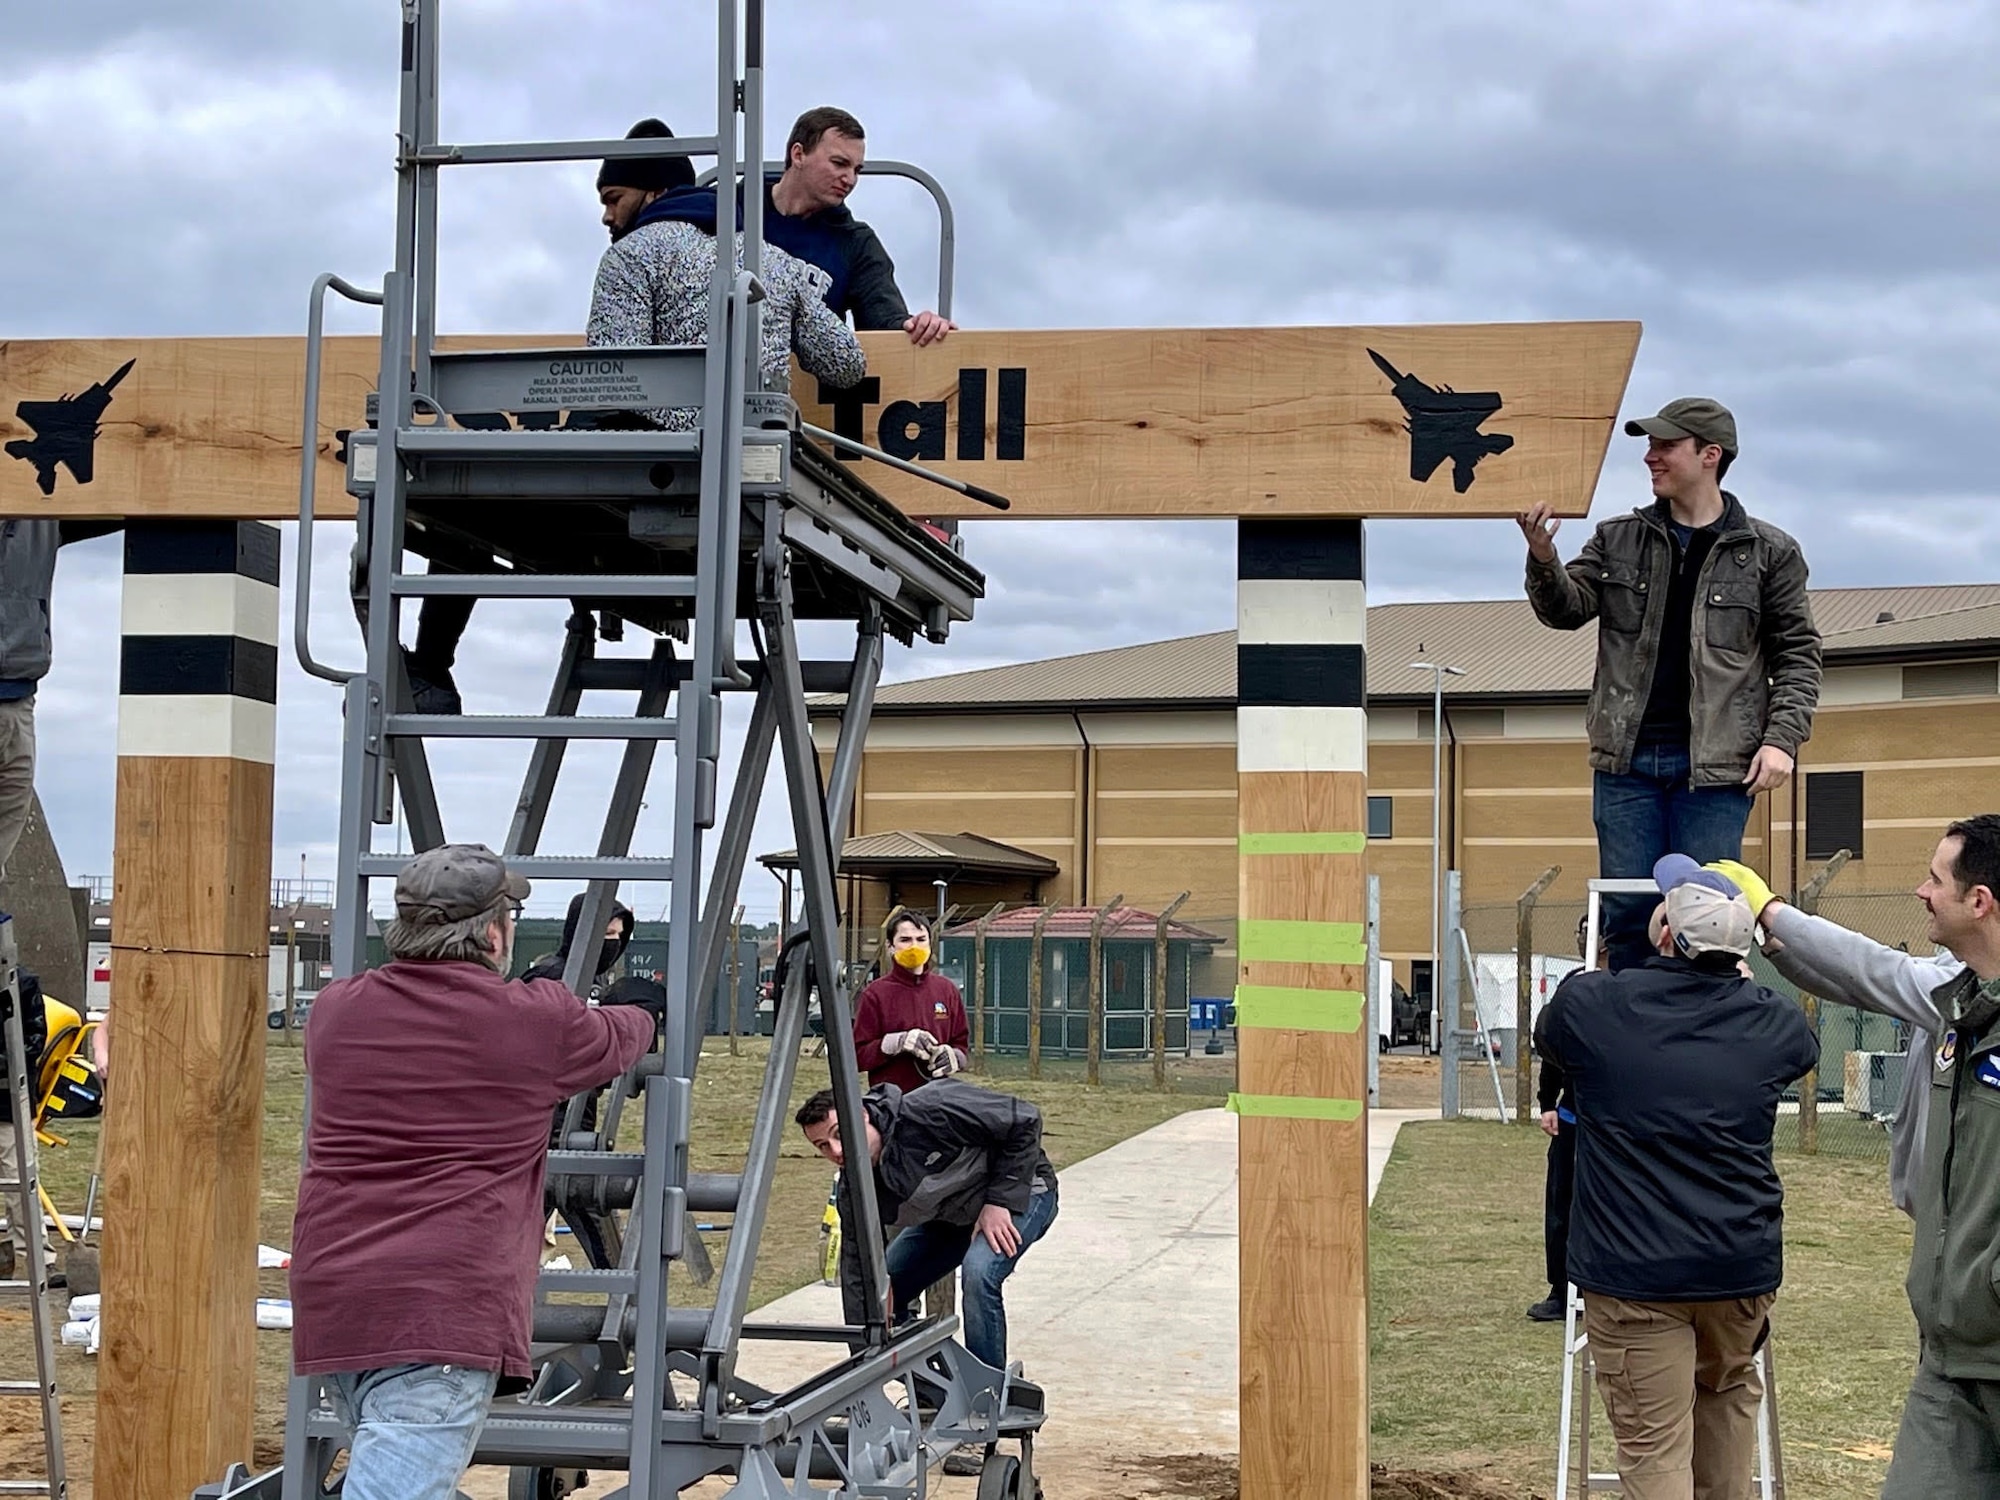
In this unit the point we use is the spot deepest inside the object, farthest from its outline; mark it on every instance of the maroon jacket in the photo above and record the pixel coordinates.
(419, 1223)
(902, 1001)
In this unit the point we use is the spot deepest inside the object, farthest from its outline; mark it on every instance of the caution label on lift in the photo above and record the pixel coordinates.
(586, 383)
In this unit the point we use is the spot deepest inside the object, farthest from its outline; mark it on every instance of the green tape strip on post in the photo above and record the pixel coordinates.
(1283, 1107)
(1277, 1007)
(1265, 941)
(1301, 843)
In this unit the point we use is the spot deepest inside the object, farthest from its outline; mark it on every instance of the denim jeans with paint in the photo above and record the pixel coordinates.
(415, 1427)
(924, 1254)
(1649, 812)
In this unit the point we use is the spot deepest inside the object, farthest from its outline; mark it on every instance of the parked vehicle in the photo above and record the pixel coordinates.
(1403, 1019)
(302, 1003)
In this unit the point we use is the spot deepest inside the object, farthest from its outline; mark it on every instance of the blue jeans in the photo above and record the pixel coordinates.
(415, 1427)
(1649, 812)
(925, 1254)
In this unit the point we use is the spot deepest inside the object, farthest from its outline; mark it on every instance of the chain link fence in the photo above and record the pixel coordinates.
(1009, 977)
(1844, 1109)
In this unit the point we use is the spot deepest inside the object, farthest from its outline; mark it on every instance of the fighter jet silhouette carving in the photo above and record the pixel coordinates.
(65, 432)
(1444, 424)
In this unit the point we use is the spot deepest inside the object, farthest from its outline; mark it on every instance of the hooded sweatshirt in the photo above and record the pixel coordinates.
(1825, 959)
(902, 1001)
(653, 286)
(610, 950)
(860, 277)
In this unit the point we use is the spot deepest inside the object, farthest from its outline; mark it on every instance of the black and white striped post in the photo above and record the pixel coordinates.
(1301, 1008)
(197, 742)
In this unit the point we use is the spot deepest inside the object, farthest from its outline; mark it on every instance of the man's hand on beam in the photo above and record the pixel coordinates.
(927, 328)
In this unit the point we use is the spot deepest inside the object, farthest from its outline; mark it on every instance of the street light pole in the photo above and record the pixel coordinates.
(1438, 673)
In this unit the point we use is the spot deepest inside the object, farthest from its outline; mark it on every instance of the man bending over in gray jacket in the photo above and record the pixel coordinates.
(961, 1172)
(1944, 1158)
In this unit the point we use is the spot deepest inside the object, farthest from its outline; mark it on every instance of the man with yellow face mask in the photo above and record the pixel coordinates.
(909, 1025)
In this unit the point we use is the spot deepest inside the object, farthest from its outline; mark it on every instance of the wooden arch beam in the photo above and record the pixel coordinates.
(1297, 432)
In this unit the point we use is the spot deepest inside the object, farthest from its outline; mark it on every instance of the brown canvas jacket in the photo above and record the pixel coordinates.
(1755, 658)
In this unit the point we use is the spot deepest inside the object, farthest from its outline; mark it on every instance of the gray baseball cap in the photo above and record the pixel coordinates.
(1706, 911)
(1697, 417)
(453, 882)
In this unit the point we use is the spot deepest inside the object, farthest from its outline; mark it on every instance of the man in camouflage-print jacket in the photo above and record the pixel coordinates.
(652, 288)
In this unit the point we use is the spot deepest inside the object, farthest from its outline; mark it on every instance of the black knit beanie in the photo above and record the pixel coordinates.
(658, 174)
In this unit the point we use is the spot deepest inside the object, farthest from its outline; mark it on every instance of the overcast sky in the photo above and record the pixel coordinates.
(1795, 196)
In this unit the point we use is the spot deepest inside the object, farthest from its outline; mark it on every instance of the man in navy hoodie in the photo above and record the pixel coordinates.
(806, 213)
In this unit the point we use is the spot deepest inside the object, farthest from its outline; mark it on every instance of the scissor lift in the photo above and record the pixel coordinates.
(494, 467)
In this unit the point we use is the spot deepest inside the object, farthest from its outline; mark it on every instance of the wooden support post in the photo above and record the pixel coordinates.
(1160, 990)
(1809, 1087)
(979, 986)
(1093, 1037)
(736, 982)
(1035, 995)
(197, 721)
(1301, 756)
(1524, 994)
(1808, 902)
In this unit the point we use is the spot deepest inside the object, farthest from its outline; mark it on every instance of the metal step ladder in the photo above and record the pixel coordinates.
(1573, 1471)
(24, 1208)
(513, 489)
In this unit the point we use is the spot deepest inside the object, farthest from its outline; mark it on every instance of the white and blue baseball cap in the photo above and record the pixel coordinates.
(1706, 911)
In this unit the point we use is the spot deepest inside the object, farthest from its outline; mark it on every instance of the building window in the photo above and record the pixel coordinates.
(1833, 813)
(1381, 817)
(1951, 679)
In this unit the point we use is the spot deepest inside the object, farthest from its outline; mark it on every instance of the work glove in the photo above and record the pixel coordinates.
(918, 1043)
(1746, 880)
(944, 1062)
(647, 994)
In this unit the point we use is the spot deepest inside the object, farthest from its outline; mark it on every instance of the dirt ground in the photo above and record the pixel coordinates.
(1409, 1081)
(1096, 1475)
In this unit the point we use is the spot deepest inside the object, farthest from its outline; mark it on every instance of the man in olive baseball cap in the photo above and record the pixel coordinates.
(454, 882)
(1708, 662)
(1694, 417)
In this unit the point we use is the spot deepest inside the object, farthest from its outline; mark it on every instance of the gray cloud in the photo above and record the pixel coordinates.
(1795, 199)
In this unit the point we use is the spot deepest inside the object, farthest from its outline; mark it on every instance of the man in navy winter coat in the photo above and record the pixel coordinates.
(1677, 1228)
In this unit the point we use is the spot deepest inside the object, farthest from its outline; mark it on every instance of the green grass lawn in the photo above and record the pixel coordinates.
(1462, 1380)
(1080, 1121)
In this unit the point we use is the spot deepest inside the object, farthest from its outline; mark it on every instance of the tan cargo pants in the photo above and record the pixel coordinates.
(17, 772)
(17, 801)
(1681, 1387)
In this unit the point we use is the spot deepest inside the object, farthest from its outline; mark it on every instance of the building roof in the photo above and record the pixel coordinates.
(952, 854)
(1124, 923)
(1506, 651)
(1977, 626)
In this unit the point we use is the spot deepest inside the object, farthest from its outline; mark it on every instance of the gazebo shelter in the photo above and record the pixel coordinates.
(924, 871)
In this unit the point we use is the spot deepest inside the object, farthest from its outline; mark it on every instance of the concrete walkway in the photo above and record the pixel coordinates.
(1126, 1311)
(1144, 1251)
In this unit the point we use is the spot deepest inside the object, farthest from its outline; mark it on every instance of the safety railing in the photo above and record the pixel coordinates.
(309, 470)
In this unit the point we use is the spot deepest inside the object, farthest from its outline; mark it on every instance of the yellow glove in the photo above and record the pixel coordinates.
(1746, 880)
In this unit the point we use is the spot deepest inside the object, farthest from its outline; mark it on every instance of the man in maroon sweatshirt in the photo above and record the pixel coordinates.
(909, 1025)
(419, 1224)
